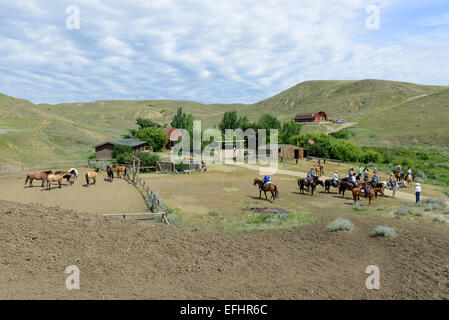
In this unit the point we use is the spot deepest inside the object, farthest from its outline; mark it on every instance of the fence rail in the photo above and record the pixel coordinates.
(152, 198)
(310, 158)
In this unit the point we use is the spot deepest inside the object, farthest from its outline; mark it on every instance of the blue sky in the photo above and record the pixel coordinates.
(214, 51)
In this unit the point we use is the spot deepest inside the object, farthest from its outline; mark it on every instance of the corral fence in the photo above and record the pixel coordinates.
(10, 168)
(170, 167)
(152, 199)
(310, 158)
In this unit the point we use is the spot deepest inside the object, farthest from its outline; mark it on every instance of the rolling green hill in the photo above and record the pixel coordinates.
(386, 112)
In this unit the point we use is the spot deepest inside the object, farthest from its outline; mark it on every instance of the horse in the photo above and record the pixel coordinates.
(92, 175)
(398, 175)
(319, 169)
(110, 172)
(303, 182)
(409, 179)
(328, 183)
(357, 192)
(57, 177)
(119, 170)
(345, 184)
(67, 175)
(74, 172)
(267, 187)
(389, 186)
(37, 176)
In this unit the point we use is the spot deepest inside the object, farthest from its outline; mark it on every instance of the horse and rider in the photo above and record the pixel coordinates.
(266, 185)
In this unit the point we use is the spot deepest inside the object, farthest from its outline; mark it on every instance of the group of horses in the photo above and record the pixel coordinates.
(48, 177)
(364, 189)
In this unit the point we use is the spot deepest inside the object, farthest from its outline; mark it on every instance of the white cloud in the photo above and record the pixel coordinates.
(209, 51)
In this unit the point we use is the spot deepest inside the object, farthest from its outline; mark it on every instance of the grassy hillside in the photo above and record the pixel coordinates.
(386, 112)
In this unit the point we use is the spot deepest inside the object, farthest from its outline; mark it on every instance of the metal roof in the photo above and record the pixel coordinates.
(123, 142)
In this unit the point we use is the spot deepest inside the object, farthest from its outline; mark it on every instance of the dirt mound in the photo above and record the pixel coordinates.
(265, 210)
(135, 259)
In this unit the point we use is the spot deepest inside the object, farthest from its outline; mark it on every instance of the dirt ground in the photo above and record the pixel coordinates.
(130, 259)
(104, 197)
(138, 259)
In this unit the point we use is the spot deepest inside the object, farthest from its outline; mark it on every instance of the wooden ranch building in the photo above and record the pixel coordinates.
(286, 151)
(104, 150)
(172, 132)
(315, 116)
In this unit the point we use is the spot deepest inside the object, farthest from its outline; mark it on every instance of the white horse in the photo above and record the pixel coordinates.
(389, 186)
(74, 173)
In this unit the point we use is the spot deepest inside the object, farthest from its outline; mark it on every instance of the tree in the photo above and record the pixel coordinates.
(268, 121)
(289, 129)
(232, 121)
(155, 137)
(118, 150)
(142, 123)
(182, 120)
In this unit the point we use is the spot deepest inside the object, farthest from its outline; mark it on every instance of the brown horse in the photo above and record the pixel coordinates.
(267, 187)
(304, 183)
(54, 178)
(66, 175)
(318, 170)
(357, 192)
(110, 172)
(119, 170)
(37, 176)
(92, 175)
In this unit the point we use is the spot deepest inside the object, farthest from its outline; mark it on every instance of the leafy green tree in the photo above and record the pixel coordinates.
(232, 121)
(147, 123)
(147, 159)
(155, 137)
(182, 120)
(268, 121)
(289, 129)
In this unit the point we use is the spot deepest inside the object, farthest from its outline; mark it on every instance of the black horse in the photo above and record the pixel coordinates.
(328, 183)
(304, 183)
(110, 172)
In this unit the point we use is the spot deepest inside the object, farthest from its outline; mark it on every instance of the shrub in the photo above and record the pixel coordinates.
(421, 175)
(439, 219)
(403, 210)
(359, 207)
(434, 203)
(419, 180)
(380, 209)
(418, 213)
(447, 192)
(121, 150)
(341, 224)
(181, 166)
(371, 156)
(384, 231)
(446, 211)
(92, 156)
(147, 159)
(173, 219)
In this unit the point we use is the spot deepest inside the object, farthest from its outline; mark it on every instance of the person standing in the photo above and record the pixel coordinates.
(418, 192)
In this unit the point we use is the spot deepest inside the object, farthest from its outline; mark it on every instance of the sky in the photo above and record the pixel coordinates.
(214, 51)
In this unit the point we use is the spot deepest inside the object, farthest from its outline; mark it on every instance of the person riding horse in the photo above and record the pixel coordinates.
(392, 181)
(409, 173)
(310, 175)
(266, 179)
(353, 180)
(335, 179)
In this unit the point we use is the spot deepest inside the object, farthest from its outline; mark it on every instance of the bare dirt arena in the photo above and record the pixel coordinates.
(104, 197)
(137, 259)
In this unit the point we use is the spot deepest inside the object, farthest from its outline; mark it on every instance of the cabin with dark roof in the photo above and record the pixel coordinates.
(315, 116)
(103, 151)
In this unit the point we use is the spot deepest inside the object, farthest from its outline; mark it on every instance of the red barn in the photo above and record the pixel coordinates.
(315, 116)
(172, 132)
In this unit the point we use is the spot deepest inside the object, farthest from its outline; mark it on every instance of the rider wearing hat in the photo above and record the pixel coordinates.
(310, 175)
(335, 179)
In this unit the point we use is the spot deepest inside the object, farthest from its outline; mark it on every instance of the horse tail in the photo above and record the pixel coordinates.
(87, 178)
(276, 192)
(27, 178)
(125, 172)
